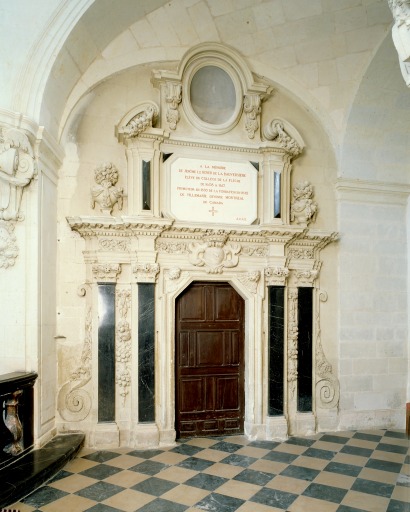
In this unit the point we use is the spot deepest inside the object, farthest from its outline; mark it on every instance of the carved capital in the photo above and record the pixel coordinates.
(105, 193)
(146, 272)
(173, 98)
(252, 109)
(306, 277)
(106, 272)
(276, 276)
(303, 209)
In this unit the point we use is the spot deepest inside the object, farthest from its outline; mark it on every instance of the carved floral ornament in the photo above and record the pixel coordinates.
(285, 135)
(105, 193)
(276, 276)
(250, 280)
(106, 272)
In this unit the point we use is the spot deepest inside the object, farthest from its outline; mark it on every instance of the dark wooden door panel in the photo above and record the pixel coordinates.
(210, 361)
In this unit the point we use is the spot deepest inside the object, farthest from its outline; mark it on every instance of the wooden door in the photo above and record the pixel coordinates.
(210, 398)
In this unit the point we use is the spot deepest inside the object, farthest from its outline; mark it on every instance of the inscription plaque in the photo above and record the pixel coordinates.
(213, 191)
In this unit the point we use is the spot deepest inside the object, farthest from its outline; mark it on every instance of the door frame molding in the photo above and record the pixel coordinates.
(169, 289)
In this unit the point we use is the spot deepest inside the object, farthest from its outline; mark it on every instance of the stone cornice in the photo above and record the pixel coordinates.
(362, 191)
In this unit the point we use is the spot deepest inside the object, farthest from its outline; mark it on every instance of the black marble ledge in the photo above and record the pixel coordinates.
(10, 382)
(37, 467)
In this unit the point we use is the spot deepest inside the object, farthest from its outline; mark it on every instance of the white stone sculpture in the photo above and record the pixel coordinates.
(303, 209)
(105, 193)
(173, 99)
(141, 121)
(275, 130)
(17, 168)
(252, 109)
(401, 34)
(8, 246)
(214, 254)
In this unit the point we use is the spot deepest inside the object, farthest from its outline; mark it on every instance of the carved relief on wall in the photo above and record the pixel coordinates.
(292, 340)
(123, 343)
(252, 109)
(74, 402)
(303, 209)
(17, 168)
(401, 11)
(306, 277)
(250, 280)
(173, 98)
(8, 246)
(327, 385)
(214, 254)
(105, 193)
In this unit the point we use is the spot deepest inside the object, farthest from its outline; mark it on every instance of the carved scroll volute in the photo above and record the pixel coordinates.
(285, 135)
(327, 384)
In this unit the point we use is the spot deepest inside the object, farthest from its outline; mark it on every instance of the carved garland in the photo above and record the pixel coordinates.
(292, 340)
(8, 246)
(123, 345)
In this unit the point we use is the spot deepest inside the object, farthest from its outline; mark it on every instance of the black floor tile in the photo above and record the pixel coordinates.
(101, 456)
(99, 491)
(266, 445)
(205, 481)
(300, 472)
(155, 486)
(372, 487)
(343, 469)
(145, 454)
(186, 449)
(43, 496)
(397, 435)
(356, 450)
(59, 476)
(325, 492)
(318, 453)
(149, 467)
(392, 448)
(300, 441)
(344, 508)
(398, 506)
(160, 505)
(274, 498)
(367, 437)
(195, 464)
(254, 477)
(384, 465)
(287, 458)
(100, 507)
(328, 438)
(219, 503)
(238, 460)
(101, 471)
(227, 447)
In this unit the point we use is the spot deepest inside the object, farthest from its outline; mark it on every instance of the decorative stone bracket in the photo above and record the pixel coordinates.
(285, 135)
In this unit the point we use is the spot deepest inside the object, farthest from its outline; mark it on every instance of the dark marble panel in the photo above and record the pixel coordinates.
(276, 297)
(146, 185)
(305, 328)
(106, 352)
(146, 352)
(277, 195)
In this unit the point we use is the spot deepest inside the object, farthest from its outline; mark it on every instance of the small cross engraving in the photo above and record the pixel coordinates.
(213, 211)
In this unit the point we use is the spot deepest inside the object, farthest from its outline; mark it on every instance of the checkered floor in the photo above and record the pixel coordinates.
(337, 472)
